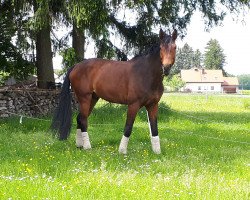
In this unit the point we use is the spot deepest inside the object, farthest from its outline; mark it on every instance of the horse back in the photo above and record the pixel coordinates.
(108, 79)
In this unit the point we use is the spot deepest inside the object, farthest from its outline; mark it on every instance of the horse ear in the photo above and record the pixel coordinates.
(161, 34)
(174, 35)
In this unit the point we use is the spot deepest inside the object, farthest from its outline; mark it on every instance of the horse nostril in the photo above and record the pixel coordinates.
(167, 66)
(166, 69)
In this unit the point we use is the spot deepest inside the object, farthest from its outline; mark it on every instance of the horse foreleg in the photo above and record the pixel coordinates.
(131, 114)
(82, 137)
(152, 112)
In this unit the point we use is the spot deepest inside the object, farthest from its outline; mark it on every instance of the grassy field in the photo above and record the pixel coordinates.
(205, 154)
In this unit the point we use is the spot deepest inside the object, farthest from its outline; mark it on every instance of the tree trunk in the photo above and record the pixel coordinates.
(44, 64)
(78, 42)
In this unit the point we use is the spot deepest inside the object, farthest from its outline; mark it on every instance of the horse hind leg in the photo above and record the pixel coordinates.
(82, 137)
(94, 100)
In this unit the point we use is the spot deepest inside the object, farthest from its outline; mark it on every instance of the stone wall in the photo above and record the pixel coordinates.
(29, 102)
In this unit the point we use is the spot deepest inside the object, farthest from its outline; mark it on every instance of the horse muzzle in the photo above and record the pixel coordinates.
(166, 69)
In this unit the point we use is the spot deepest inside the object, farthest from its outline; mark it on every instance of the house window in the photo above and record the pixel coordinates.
(199, 87)
(212, 87)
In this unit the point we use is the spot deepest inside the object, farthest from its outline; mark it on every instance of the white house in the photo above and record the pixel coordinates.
(202, 80)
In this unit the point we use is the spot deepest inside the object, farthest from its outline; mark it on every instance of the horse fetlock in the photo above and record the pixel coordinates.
(123, 145)
(82, 139)
(86, 142)
(156, 147)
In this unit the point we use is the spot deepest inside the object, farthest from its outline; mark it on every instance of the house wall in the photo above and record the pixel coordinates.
(203, 87)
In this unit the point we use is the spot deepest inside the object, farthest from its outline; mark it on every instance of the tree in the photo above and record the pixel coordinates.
(197, 58)
(33, 21)
(244, 81)
(95, 18)
(214, 57)
(175, 83)
(186, 58)
(149, 15)
(14, 60)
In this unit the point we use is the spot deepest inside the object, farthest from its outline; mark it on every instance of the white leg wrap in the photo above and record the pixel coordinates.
(79, 138)
(155, 141)
(86, 142)
(123, 145)
(82, 139)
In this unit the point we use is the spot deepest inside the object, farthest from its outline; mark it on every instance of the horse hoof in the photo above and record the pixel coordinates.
(86, 147)
(157, 151)
(122, 151)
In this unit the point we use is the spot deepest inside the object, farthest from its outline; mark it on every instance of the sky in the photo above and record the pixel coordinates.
(233, 36)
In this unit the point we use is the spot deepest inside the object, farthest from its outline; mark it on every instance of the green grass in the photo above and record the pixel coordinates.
(205, 154)
(246, 92)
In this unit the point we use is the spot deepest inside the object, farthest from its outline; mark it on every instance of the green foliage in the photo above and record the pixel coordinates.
(199, 160)
(186, 58)
(3, 77)
(69, 58)
(244, 81)
(96, 18)
(13, 60)
(90, 15)
(175, 83)
(245, 92)
(214, 57)
(197, 58)
(41, 17)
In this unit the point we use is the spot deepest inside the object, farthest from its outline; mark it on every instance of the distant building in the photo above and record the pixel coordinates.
(230, 85)
(202, 80)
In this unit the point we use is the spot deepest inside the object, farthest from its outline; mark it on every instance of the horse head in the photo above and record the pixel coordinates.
(167, 50)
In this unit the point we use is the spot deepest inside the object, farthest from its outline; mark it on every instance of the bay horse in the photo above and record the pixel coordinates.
(136, 83)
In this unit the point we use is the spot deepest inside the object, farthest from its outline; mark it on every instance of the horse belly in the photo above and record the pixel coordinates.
(112, 87)
(114, 93)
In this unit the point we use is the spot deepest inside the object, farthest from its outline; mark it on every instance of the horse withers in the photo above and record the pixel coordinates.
(136, 83)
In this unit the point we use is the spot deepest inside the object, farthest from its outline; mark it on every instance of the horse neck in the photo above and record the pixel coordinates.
(155, 66)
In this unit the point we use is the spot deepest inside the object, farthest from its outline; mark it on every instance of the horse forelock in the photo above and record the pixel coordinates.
(167, 39)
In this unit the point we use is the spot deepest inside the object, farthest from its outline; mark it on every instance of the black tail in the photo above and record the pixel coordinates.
(61, 123)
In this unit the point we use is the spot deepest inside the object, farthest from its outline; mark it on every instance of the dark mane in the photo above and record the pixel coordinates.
(152, 50)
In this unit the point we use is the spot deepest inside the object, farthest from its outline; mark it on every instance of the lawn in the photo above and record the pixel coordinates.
(205, 144)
